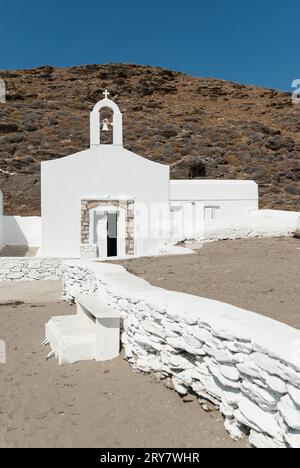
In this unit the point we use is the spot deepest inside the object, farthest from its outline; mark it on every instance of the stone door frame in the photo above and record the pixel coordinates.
(121, 226)
(104, 204)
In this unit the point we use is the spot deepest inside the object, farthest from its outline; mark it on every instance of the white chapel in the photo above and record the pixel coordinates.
(107, 201)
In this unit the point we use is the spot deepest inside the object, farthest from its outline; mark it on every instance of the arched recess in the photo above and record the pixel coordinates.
(95, 130)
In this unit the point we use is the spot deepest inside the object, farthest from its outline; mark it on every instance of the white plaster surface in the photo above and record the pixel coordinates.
(247, 364)
(259, 223)
(100, 170)
(202, 207)
(19, 230)
(200, 190)
(71, 341)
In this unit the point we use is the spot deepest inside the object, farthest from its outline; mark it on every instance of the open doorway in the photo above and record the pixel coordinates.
(106, 226)
(112, 234)
(107, 234)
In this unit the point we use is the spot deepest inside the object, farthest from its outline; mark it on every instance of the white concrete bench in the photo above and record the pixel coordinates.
(93, 333)
(107, 325)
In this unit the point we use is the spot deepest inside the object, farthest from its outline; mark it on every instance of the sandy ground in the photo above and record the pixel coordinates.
(104, 405)
(30, 292)
(262, 275)
(18, 251)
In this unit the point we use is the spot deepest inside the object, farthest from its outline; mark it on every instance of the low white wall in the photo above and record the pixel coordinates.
(259, 223)
(247, 364)
(19, 230)
(31, 268)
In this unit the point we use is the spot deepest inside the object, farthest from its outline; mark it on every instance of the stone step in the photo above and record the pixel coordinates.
(70, 340)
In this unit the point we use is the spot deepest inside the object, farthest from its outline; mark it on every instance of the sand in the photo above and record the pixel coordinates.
(18, 251)
(261, 275)
(104, 405)
(30, 292)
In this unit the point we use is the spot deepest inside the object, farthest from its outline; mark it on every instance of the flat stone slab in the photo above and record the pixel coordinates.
(96, 306)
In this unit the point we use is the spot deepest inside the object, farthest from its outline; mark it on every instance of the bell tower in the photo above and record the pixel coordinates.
(117, 123)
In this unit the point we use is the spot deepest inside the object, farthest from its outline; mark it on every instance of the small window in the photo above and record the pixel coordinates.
(210, 212)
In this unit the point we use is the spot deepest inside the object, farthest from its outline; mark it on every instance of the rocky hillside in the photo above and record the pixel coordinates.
(200, 127)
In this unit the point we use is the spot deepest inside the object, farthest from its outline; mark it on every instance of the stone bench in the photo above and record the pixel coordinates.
(107, 325)
(94, 333)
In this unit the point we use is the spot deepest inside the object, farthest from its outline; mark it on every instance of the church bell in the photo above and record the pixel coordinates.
(105, 125)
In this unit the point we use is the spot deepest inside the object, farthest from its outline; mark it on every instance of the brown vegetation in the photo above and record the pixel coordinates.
(200, 127)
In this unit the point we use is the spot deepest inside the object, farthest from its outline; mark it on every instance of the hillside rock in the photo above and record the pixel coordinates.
(200, 127)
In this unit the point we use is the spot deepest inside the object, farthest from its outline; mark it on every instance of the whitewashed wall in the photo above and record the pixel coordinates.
(197, 206)
(260, 223)
(246, 364)
(29, 268)
(257, 223)
(103, 170)
(18, 230)
(230, 198)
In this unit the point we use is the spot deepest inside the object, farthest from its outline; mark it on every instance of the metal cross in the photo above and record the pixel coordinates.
(106, 94)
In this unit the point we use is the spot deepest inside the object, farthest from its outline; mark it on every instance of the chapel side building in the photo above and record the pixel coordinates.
(219, 199)
(104, 201)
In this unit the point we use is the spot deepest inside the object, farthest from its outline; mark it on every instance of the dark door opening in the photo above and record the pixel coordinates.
(112, 234)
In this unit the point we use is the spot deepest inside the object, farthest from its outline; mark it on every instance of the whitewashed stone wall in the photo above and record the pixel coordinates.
(89, 251)
(259, 223)
(13, 269)
(246, 364)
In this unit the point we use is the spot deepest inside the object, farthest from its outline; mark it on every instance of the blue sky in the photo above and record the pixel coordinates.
(248, 41)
